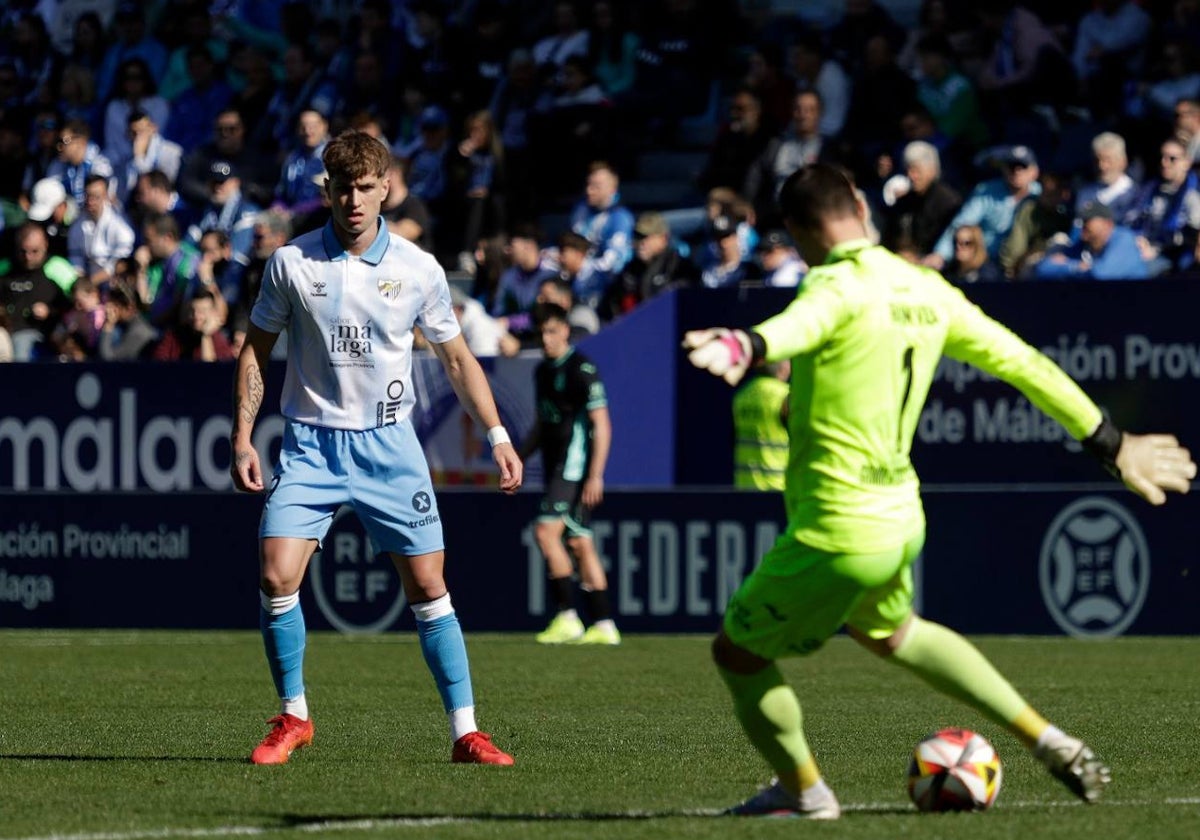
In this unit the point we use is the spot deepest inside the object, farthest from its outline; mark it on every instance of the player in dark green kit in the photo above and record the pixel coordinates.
(573, 433)
(864, 335)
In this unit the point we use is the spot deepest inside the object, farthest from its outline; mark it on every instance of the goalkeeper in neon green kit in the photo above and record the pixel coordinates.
(865, 334)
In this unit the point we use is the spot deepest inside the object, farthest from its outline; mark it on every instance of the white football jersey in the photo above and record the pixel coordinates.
(349, 323)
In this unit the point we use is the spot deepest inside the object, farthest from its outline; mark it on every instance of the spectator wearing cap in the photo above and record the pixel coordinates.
(304, 88)
(1113, 186)
(78, 159)
(259, 174)
(226, 210)
(993, 204)
(132, 41)
(723, 265)
(135, 92)
(608, 225)
(101, 236)
(1165, 215)
(54, 210)
(200, 103)
(657, 266)
(406, 214)
(149, 151)
(1103, 250)
(298, 191)
(923, 203)
(781, 265)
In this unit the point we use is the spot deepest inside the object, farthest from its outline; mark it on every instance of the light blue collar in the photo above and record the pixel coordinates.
(373, 255)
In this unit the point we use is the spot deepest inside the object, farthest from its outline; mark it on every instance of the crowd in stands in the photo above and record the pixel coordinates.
(153, 155)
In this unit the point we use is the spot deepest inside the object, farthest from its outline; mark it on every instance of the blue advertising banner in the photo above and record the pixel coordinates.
(1097, 564)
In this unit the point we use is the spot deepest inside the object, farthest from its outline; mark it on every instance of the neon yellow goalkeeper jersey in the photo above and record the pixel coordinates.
(865, 334)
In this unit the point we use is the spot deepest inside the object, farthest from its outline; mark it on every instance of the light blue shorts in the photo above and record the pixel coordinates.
(381, 473)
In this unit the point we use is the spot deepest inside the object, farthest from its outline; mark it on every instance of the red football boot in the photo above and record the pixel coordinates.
(289, 734)
(477, 748)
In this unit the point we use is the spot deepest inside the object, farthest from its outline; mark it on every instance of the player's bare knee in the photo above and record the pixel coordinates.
(547, 532)
(275, 585)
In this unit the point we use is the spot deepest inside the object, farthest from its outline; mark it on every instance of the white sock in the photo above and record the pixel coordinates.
(570, 615)
(462, 722)
(816, 794)
(296, 706)
(606, 624)
(1050, 735)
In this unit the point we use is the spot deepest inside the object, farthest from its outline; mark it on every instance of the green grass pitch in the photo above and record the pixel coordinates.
(108, 735)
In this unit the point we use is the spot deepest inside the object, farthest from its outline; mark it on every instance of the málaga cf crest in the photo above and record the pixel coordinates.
(390, 289)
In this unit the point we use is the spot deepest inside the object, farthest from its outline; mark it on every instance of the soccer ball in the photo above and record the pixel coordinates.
(954, 770)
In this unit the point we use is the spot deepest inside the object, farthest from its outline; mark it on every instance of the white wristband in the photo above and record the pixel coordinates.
(498, 435)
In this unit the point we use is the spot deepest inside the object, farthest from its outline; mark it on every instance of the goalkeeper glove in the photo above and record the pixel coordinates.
(722, 352)
(1149, 465)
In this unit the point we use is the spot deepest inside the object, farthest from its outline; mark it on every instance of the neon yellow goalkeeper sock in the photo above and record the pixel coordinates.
(769, 712)
(954, 666)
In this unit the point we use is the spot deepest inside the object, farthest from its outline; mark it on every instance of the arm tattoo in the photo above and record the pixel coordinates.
(248, 398)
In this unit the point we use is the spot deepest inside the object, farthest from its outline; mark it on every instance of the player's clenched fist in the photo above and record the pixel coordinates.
(721, 352)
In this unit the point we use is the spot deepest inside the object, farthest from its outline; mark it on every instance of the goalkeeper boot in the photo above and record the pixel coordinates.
(477, 748)
(1074, 764)
(289, 734)
(601, 633)
(563, 628)
(776, 801)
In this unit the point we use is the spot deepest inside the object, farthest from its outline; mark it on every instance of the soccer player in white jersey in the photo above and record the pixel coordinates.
(349, 296)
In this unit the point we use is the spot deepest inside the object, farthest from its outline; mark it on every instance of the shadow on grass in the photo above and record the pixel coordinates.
(332, 822)
(146, 758)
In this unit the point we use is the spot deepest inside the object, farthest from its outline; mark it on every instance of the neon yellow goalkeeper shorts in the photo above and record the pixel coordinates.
(799, 597)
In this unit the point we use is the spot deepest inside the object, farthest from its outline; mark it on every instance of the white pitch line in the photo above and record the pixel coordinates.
(424, 822)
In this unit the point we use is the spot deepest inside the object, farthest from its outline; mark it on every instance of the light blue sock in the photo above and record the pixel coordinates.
(282, 623)
(445, 652)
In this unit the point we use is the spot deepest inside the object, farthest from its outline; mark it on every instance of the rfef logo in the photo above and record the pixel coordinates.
(1095, 568)
(356, 586)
